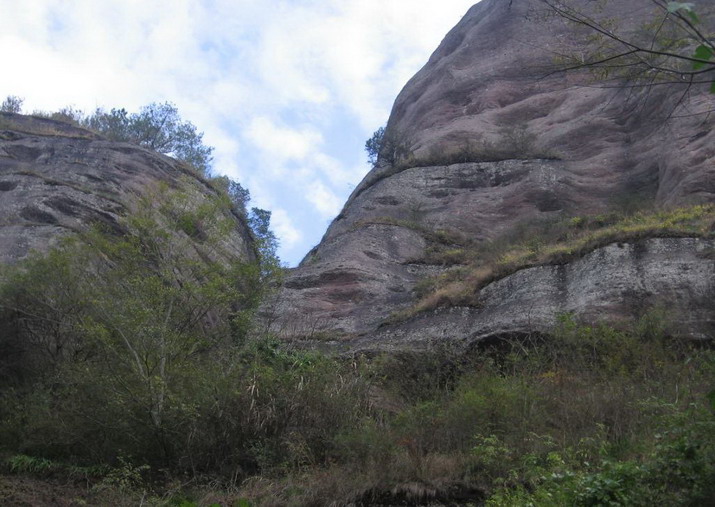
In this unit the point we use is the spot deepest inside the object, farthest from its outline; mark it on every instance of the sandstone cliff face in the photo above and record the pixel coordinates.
(623, 281)
(56, 179)
(586, 149)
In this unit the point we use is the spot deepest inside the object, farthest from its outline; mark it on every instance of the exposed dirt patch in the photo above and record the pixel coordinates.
(418, 493)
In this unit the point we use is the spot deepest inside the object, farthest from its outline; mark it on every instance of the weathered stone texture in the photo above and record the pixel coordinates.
(617, 283)
(56, 179)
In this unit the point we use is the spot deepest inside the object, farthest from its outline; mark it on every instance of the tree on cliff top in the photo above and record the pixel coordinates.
(158, 127)
(11, 104)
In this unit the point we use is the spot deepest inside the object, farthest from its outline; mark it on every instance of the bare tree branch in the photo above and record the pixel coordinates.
(654, 58)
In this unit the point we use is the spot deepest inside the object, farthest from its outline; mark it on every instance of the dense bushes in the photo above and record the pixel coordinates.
(116, 370)
(138, 350)
(121, 323)
(586, 416)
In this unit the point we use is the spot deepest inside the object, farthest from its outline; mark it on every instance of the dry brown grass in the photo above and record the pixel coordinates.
(35, 125)
(437, 475)
(486, 264)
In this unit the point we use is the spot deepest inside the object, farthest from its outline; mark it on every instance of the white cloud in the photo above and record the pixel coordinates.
(283, 143)
(359, 53)
(325, 201)
(288, 234)
(333, 170)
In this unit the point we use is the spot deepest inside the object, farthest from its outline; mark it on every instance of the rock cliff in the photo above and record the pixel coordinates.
(56, 179)
(544, 146)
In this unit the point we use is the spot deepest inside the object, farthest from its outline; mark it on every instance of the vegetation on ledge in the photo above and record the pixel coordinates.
(543, 243)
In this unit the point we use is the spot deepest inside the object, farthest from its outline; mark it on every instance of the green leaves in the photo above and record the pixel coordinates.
(374, 145)
(156, 126)
(703, 53)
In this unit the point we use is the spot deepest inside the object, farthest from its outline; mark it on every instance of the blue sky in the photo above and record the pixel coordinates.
(286, 91)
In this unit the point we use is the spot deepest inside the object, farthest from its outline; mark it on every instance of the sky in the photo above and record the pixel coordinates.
(286, 91)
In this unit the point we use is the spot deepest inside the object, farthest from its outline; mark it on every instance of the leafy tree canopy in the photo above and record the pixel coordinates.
(158, 127)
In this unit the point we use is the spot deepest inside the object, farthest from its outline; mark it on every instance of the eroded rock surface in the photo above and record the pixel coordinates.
(591, 149)
(56, 179)
(617, 283)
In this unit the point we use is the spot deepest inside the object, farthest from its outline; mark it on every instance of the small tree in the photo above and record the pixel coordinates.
(373, 145)
(69, 115)
(114, 125)
(12, 104)
(388, 147)
(260, 221)
(240, 196)
(237, 193)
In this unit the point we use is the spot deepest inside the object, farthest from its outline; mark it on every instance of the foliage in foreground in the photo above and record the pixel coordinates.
(116, 326)
(587, 416)
(673, 46)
